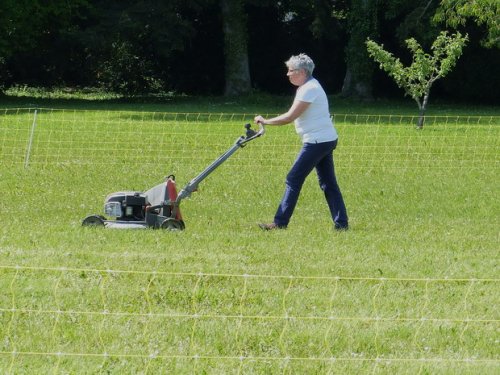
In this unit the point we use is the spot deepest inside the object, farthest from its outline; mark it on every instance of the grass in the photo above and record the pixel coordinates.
(411, 288)
(257, 102)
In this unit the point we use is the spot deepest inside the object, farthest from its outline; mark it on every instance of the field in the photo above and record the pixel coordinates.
(411, 288)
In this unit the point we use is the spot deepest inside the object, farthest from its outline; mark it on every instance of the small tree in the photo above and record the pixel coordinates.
(417, 79)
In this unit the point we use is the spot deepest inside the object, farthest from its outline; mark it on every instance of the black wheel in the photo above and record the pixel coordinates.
(93, 221)
(172, 224)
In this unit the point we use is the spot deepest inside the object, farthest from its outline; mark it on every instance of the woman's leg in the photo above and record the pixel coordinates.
(328, 183)
(308, 157)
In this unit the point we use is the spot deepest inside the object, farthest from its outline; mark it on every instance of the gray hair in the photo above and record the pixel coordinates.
(301, 61)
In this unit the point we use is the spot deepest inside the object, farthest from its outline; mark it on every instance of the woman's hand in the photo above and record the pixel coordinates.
(296, 110)
(259, 120)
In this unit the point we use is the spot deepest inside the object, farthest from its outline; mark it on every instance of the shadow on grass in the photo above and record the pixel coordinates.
(254, 103)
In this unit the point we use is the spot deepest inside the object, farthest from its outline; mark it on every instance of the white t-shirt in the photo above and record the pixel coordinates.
(315, 124)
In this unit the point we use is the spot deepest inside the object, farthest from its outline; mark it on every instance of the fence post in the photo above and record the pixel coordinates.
(30, 142)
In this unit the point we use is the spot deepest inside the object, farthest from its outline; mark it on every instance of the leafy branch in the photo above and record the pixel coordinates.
(426, 68)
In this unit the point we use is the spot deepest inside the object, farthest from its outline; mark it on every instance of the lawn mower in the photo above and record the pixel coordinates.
(158, 207)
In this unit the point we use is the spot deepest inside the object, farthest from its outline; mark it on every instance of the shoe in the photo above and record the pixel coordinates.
(341, 228)
(271, 226)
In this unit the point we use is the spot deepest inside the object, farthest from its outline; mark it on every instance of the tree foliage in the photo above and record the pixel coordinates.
(417, 78)
(412, 19)
(24, 23)
(130, 44)
(483, 12)
(138, 46)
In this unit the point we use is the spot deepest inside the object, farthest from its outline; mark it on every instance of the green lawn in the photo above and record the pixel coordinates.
(413, 287)
(85, 99)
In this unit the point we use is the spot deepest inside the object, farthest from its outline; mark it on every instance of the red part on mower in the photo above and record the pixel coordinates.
(172, 195)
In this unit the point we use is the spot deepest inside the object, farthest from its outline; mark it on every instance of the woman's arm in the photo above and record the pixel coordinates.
(298, 107)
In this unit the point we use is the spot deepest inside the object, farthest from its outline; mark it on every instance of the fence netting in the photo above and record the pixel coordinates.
(49, 136)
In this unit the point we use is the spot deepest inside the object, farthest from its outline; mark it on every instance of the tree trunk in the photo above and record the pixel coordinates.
(359, 73)
(422, 108)
(356, 88)
(237, 71)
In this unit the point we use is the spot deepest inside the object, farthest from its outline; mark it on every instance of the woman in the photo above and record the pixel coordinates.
(310, 112)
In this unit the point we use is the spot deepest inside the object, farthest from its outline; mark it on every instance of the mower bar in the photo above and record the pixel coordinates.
(240, 142)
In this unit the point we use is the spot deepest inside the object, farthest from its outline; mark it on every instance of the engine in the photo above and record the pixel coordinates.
(127, 206)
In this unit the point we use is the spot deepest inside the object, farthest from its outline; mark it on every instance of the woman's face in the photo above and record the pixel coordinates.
(296, 77)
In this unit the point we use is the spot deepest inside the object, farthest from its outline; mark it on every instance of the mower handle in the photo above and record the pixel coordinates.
(251, 134)
(240, 142)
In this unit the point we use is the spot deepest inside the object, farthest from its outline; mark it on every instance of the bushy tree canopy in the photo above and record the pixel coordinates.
(483, 12)
(137, 46)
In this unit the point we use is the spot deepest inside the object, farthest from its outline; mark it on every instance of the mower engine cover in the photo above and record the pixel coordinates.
(126, 205)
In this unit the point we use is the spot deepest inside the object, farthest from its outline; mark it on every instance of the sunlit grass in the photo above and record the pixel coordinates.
(411, 288)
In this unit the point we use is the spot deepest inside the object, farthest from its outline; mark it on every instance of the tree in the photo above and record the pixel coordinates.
(410, 18)
(235, 48)
(362, 20)
(30, 30)
(130, 44)
(484, 12)
(417, 79)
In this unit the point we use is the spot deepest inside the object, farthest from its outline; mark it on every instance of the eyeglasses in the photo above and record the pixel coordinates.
(290, 71)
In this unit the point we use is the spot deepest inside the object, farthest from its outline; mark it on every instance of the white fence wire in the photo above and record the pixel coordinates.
(255, 319)
(48, 136)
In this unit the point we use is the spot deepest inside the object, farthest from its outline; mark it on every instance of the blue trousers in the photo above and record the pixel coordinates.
(319, 156)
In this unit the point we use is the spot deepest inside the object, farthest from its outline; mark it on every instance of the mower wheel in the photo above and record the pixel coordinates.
(172, 224)
(93, 221)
